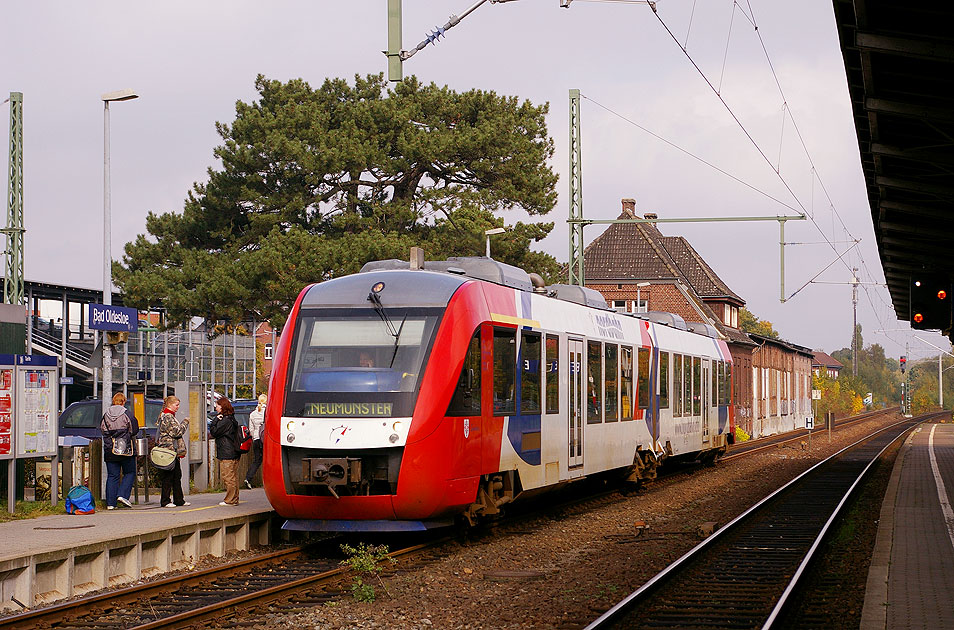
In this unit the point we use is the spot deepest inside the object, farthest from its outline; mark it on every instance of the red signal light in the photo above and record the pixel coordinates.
(918, 318)
(942, 294)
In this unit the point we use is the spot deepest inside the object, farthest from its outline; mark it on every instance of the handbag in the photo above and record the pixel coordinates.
(163, 458)
(122, 446)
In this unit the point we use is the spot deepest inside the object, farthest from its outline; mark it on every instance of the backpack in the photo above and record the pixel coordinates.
(79, 500)
(243, 439)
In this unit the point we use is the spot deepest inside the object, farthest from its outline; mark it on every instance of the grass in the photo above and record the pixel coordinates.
(30, 509)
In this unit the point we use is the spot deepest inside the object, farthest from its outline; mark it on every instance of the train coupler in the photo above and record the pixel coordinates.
(330, 472)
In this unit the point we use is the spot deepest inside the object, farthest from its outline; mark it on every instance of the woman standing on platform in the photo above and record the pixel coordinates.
(170, 436)
(223, 430)
(119, 427)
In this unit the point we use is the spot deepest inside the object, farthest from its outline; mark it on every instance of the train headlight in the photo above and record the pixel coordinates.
(394, 438)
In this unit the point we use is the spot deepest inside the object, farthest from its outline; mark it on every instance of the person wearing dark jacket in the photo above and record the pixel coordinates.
(119, 427)
(226, 451)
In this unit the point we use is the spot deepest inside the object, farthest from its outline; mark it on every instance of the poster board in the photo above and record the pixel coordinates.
(7, 383)
(35, 405)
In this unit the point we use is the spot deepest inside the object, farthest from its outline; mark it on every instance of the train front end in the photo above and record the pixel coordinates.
(352, 426)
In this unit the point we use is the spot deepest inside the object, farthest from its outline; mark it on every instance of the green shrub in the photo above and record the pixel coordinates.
(365, 562)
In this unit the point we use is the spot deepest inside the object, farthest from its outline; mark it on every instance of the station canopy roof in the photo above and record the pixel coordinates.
(899, 61)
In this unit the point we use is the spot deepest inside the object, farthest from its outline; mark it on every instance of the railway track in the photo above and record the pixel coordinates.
(743, 575)
(745, 448)
(283, 580)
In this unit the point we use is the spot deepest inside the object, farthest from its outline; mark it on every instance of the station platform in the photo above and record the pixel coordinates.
(911, 577)
(49, 558)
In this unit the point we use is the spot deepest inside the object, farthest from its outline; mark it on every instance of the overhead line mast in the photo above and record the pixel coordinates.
(13, 268)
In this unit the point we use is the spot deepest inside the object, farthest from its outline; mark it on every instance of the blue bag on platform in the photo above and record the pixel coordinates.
(79, 500)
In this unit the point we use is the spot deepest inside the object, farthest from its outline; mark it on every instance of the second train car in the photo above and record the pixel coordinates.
(403, 399)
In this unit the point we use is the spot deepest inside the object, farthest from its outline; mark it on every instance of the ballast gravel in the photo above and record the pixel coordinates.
(563, 572)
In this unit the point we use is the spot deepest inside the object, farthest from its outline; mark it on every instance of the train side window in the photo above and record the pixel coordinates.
(505, 367)
(553, 374)
(530, 372)
(594, 380)
(686, 392)
(722, 384)
(676, 385)
(696, 386)
(626, 382)
(664, 380)
(642, 377)
(466, 399)
(611, 381)
(728, 383)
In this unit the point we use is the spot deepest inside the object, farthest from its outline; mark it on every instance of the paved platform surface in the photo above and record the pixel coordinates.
(911, 578)
(52, 533)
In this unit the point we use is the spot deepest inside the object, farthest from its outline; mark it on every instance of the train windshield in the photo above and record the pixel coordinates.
(359, 351)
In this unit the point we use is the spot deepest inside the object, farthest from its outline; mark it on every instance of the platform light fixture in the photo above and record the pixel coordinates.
(491, 232)
(107, 98)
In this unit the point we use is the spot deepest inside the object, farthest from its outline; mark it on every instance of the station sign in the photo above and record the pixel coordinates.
(116, 318)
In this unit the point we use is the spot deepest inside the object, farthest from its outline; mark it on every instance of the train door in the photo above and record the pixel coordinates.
(706, 396)
(575, 415)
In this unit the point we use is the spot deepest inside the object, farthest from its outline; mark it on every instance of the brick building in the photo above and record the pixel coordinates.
(638, 269)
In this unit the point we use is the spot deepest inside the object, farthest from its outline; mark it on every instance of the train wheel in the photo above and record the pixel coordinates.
(493, 493)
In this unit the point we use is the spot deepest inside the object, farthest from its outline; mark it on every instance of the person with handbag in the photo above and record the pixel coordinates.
(170, 437)
(223, 429)
(119, 427)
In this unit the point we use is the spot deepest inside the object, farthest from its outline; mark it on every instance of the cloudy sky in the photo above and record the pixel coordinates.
(191, 61)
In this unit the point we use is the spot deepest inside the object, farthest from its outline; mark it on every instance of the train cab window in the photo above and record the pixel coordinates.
(664, 380)
(696, 386)
(553, 374)
(642, 377)
(676, 385)
(505, 367)
(466, 399)
(611, 381)
(626, 382)
(530, 373)
(594, 382)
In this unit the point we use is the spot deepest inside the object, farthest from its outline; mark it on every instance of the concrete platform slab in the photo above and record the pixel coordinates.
(911, 577)
(53, 557)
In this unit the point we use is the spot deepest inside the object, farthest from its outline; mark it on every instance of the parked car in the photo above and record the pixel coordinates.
(242, 410)
(83, 418)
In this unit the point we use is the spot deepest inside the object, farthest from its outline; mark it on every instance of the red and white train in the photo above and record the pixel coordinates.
(406, 398)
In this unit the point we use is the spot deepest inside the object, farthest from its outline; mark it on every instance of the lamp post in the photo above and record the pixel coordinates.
(489, 232)
(640, 285)
(120, 95)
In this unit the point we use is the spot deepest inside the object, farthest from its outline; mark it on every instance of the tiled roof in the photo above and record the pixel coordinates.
(823, 358)
(639, 251)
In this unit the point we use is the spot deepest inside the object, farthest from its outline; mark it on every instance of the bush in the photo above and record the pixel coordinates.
(365, 562)
(741, 435)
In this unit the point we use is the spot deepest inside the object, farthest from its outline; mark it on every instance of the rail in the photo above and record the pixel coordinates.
(742, 575)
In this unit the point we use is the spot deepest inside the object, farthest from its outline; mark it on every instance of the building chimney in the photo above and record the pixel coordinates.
(629, 208)
(651, 217)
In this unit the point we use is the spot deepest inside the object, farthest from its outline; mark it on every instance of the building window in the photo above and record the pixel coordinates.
(268, 351)
(640, 306)
(735, 317)
(619, 306)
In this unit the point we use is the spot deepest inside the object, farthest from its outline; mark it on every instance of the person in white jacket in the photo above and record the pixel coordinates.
(256, 422)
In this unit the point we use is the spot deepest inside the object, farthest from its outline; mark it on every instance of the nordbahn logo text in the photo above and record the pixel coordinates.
(608, 326)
